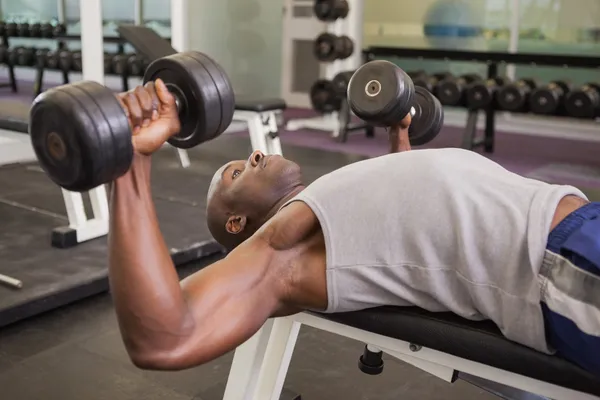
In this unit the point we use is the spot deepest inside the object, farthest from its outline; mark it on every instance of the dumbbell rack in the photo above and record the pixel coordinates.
(492, 59)
(339, 122)
(12, 80)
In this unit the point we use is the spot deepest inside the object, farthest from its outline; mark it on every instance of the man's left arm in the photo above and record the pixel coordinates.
(399, 137)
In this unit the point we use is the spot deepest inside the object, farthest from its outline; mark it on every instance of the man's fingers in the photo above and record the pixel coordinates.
(135, 110)
(165, 97)
(151, 89)
(145, 100)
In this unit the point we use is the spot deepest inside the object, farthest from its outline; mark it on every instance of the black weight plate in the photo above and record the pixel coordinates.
(344, 47)
(201, 109)
(224, 87)
(65, 60)
(428, 120)
(544, 100)
(63, 138)
(380, 93)
(583, 102)
(511, 98)
(449, 91)
(324, 97)
(36, 30)
(52, 60)
(325, 47)
(77, 61)
(340, 82)
(323, 10)
(481, 94)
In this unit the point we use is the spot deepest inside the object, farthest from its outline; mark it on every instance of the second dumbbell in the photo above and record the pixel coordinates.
(329, 47)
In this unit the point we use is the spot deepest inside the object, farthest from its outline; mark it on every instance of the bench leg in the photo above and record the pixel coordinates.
(272, 133)
(258, 136)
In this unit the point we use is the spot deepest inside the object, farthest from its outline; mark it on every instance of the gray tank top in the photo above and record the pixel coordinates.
(441, 229)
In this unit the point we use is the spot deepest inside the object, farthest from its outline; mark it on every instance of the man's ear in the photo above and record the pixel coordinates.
(235, 224)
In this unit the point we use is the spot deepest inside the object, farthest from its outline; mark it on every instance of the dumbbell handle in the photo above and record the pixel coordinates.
(11, 281)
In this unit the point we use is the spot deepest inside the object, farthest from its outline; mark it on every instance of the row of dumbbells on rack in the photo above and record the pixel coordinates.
(327, 46)
(476, 93)
(558, 98)
(70, 61)
(46, 30)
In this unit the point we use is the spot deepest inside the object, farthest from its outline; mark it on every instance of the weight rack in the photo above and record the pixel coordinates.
(492, 59)
(339, 122)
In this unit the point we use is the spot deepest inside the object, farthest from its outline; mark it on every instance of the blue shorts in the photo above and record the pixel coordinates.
(570, 279)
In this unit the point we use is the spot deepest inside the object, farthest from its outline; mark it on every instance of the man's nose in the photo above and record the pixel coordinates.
(255, 158)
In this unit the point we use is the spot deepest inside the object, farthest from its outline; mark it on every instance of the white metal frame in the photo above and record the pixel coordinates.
(352, 26)
(263, 130)
(260, 364)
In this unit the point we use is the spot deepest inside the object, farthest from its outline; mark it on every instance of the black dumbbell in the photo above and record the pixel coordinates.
(81, 134)
(3, 54)
(23, 30)
(135, 65)
(481, 94)
(26, 56)
(52, 59)
(430, 82)
(2, 28)
(35, 30)
(13, 57)
(77, 62)
(453, 91)
(341, 81)
(119, 64)
(584, 102)
(331, 10)
(40, 57)
(47, 30)
(108, 62)
(549, 99)
(329, 47)
(515, 96)
(59, 30)
(324, 97)
(11, 29)
(382, 94)
(65, 60)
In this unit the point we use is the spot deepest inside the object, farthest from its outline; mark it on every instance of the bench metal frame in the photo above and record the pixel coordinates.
(260, 364)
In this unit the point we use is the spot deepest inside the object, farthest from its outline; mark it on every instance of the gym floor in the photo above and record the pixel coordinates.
(76, 352)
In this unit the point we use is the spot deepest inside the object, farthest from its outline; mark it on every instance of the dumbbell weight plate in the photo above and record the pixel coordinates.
(65, 60)
(52, 60)
(47, 30)
(204, 94)
(2, 28)
(135, 65)
(325, 47)
(108, 63)
(428, 119)
(330, 10)
(23, 30)
(344, 47)
(324, 97)
(11, 29)
(513, 97)
(119, 64)
(547, 99)
(340, 82)
(80, 135)
(77, 62)
(3, 54)
(35, 30)
(583, 102)
(380, 93)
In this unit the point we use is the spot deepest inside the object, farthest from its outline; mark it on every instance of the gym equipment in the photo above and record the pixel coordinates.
(452, 91)
(40, 57)
(59, 30)
(52, 59)
(340, 82)
(331, 10)
(2, 28)
(65, 60)
(7, 280)
(382, 94)
(26, 56)
(35, 30)
(515, 96)
(108, 63)
(548, 99)
(135, 65)
(430, 82)
(76, 62)
(81, 135)
(11, 29)
(371, 361)
(3, 54)
(47, 30)
(481, 94)
(329, 47)
(23, 30)
(584, 102)
(324, 96)
(119, 64)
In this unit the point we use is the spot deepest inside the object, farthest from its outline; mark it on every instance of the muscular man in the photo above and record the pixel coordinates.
(444, 230)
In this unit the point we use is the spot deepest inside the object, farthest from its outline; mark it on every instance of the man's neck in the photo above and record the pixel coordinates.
(293, 193)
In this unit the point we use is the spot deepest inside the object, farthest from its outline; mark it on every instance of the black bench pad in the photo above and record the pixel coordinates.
(475, 341)
(260, 105)
(14, 116)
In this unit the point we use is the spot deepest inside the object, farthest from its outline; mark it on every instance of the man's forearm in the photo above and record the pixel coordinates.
(150, 305)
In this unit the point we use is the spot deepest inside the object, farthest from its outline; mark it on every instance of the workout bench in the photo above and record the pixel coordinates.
(442, 344)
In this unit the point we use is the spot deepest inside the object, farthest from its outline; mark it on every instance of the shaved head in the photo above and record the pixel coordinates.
(244, 194)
